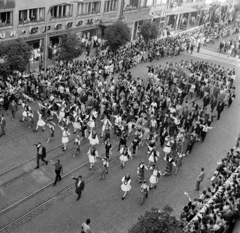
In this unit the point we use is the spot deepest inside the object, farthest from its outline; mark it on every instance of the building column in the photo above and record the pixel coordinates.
(67, 10)
(177, 22)
(188, 20)
(28, 12)
(57, 11)
(38, 13)
(11, 18)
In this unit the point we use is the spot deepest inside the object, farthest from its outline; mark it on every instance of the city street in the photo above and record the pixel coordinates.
(29, 202)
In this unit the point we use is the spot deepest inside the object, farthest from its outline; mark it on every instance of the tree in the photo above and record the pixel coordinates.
(149, 31)
(156, 221)
(118, 34)
(14, 56)
(69, 47)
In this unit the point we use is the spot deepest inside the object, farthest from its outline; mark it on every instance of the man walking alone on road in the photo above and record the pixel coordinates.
(200, 178)
(79, 184)
(58, 171)
(41, 154)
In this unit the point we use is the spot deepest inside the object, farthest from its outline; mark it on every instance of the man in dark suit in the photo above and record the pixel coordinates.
(220, 108)
(13, 108)
(41, 154)
(79, 184)
(2, 125)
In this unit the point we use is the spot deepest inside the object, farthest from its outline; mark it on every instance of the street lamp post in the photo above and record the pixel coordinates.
(46, 34)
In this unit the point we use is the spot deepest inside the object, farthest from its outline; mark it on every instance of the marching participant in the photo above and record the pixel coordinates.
(134, 146)
(65, 135)
(170, 162)
(140, 171)
(76, 123)
(51, 131)
(104, 168)
(30, 118)
(108, 148)
(77, 143)
(156, 174)
(106, 124)
(92, 156)
(125, 154)
(93, 138)
(126, 185)
(25, 112)
(40, 122)
(144, 191)
(153, 155)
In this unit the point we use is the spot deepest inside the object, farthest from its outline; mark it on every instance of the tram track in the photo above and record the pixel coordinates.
(62, 194)
(34, 158)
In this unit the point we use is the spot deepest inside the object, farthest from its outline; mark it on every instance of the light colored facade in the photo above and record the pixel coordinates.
(29, 19)
(172, 14)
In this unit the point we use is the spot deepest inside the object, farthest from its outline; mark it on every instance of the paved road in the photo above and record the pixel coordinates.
(101, 200)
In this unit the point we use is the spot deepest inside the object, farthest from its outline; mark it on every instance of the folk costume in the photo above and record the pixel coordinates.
(92, 156)
(153, 155)
(104, 168)
(125, 154)
(156, 174)
(144, 191)
(77, 143)
(51, 131)
(40, 122)
(65, 139)
(126, 185)
(93, 138)
(140, 171)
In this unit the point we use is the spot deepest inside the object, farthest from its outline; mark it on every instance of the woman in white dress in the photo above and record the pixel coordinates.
(153, 155)
(92, 156)
(40, 122)
(154, 177)
(61, 115)
(77, 124)
(93, 138)
(126, 185)
(25, 112)
(125, 154)
(106, 123)
(65, 135)
(167, 148)
(91, 123)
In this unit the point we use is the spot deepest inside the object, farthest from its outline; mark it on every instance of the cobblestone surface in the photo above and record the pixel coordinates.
(101, 200)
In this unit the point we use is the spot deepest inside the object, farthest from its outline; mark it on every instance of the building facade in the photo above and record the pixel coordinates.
(32, 19)
(171, 14)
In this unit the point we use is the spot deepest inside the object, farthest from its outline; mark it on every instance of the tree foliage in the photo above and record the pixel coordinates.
(149, 31)
(69, 47)
(156, 221)
(14, 56)
(117, 34)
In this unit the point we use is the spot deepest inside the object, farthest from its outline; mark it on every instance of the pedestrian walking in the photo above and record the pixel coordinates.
(170, 162)
(79, 186)
(140, 171)
(65, 135)
(93, 138)
(30, 119)
(13, 108)
(58, 171)
(192, 48)
(104, 168)
(85, 228)
(144, 191)
(77, 143)
(41, 154)
(156, 174)
(198, 47)
(200, 178)
(204, 131)
(153, 155)
(2, 125)
(92, 156)
(134, 146)
(126, 185)
(220, 108)
(191, 142)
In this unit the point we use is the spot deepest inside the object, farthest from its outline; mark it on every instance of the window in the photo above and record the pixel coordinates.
(61, 11)
(110, 5)
(89, 8)
(31, 15)
(6, 18)
(161, 2)
(130, 5)
(146, 3)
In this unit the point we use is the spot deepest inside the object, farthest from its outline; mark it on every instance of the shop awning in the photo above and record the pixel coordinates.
(182, 10)
(135, 19)
(106, 24)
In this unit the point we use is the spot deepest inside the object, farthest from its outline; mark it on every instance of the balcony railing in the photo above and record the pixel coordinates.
(31, 21)
(2, 25)
(89, 13)
(144, 7)
(130, 8)
(60, 17)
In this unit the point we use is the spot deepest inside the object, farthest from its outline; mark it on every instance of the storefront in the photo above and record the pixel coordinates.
(204, 17)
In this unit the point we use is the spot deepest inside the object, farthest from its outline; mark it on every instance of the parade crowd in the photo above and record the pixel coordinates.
(173, 108)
